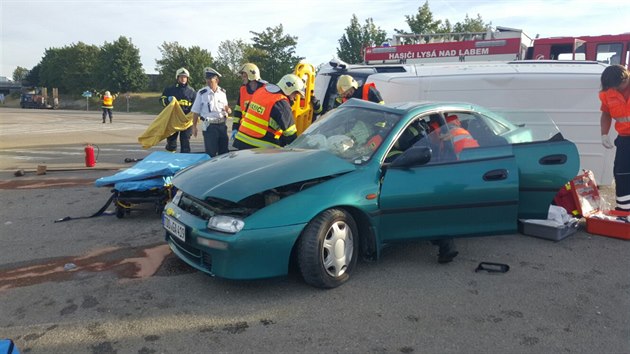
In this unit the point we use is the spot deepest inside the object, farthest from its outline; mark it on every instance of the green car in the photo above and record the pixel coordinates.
(362, 176)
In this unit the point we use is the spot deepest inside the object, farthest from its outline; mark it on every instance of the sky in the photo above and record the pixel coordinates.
(28, 28)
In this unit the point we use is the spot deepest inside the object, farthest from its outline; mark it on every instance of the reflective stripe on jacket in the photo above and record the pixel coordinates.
(255, 123)
(614, 103)
(462, 139)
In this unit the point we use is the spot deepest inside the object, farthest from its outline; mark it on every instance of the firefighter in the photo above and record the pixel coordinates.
(348, 87)
(108, 105)
(185, 96)
(615, 98)
(268, 120)
(250, 76)
(211, 108)
(460, 138)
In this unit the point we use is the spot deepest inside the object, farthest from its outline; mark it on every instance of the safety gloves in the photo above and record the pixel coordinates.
(606, 142)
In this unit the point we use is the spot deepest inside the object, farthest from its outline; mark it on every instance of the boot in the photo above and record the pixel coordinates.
(447, 250)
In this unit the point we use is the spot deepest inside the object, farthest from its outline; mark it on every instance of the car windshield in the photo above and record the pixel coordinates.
(351, 133)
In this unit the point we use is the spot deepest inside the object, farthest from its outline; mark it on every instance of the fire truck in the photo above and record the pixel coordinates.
(501, 43)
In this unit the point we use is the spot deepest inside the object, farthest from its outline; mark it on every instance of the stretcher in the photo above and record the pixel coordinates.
(148, 181)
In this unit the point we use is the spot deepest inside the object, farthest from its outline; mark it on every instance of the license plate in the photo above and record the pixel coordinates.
(175, 228)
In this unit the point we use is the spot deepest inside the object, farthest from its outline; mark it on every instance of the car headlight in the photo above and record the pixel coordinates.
(177, 197)
(226, 223)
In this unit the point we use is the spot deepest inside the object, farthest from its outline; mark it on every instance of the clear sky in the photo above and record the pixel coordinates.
(29, 27)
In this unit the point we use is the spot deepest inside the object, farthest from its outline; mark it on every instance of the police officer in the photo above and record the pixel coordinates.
(211, 108)
(348, 87)
(250, 76)
(185, 95)
(268, 120)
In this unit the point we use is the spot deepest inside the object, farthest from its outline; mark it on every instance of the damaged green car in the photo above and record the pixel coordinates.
(362, 176)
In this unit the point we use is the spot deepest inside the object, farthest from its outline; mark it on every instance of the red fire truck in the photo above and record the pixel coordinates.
(502, 43)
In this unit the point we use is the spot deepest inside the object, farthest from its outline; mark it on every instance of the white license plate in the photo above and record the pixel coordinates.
(175, 228)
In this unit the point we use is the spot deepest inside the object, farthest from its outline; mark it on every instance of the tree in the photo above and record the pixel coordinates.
(175, 56)
(357, 38)
(472, 25)
(274, 53)
(19, 74)
(119, 68)
(422, 22)
(70, 68)
(231, 56)
(32, 78)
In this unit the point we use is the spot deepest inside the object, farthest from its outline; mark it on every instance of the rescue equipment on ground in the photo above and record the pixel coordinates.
(148, 181)
(90, 159)
(172, 119)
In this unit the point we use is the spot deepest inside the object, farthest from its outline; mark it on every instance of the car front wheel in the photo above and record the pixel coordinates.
(327, 249)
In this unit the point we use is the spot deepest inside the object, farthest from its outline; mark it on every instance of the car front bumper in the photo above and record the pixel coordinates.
(249, 254)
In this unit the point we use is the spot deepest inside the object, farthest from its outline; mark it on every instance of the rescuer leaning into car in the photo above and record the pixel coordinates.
(268, 120)
(348, 87)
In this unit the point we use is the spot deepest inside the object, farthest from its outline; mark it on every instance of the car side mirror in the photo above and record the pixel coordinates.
(414, 156)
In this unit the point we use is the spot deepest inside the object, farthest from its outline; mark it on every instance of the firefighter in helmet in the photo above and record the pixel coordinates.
(185, 96)
(268, 120)
(250, 76)
(348, 87)
(108, 105)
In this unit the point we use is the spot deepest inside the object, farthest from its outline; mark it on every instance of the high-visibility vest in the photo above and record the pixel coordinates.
(108, 102)
(255, 121)
(365, 94)
(619, 109)
(462, 139)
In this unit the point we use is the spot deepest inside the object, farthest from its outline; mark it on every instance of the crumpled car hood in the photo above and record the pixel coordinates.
(237, 175)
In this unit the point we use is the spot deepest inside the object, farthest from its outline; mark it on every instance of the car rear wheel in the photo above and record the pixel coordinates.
(327, 249)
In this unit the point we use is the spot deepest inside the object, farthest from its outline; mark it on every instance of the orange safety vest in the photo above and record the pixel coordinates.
(365, 94)
(255, 121)
(108, 102)
(615, 104)
(462, 139)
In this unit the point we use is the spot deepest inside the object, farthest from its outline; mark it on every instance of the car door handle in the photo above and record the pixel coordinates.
(558, 159)
(495, 175)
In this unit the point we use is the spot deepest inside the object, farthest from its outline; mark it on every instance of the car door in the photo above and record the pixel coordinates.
(475, 194)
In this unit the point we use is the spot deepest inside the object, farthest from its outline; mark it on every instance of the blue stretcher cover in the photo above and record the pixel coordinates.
(151, 171)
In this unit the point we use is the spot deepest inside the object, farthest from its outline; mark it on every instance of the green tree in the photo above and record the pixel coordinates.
(175, 56)
(32, 78)
(70, 68)
(231, 56)
(274, 53)
(119, 67)
(357, 38)
(422, 23)
(472, 25)
(19, 74)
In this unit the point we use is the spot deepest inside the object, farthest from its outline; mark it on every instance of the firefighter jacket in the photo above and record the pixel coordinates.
(461, 138)
(244, 96)
(183, 93)
(617, 105)
(267, 122)
(367, 92)
(108, 102)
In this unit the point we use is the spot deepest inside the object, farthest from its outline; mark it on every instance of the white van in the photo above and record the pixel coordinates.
(565, 91)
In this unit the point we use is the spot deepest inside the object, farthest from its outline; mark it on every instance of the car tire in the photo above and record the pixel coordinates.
(327, 250)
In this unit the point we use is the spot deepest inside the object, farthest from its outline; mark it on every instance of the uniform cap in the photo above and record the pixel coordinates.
(210, 72)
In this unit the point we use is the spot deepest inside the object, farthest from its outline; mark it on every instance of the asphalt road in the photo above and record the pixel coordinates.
(108, 285)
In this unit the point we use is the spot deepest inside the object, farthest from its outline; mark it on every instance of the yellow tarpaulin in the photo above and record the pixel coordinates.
(172, 119)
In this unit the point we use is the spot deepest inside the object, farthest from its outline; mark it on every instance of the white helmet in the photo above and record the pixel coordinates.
(346, 82)
(181, 71)
(252, 71)
(291, 83)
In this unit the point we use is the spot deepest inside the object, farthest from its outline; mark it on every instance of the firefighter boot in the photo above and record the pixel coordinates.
(447, 250)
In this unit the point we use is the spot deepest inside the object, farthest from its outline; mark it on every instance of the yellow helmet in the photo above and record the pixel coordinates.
(345, 82)
(252, 71)
(292, 83)
(181, 71)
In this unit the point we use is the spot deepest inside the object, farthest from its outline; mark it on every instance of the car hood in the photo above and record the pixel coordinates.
(237, 175)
